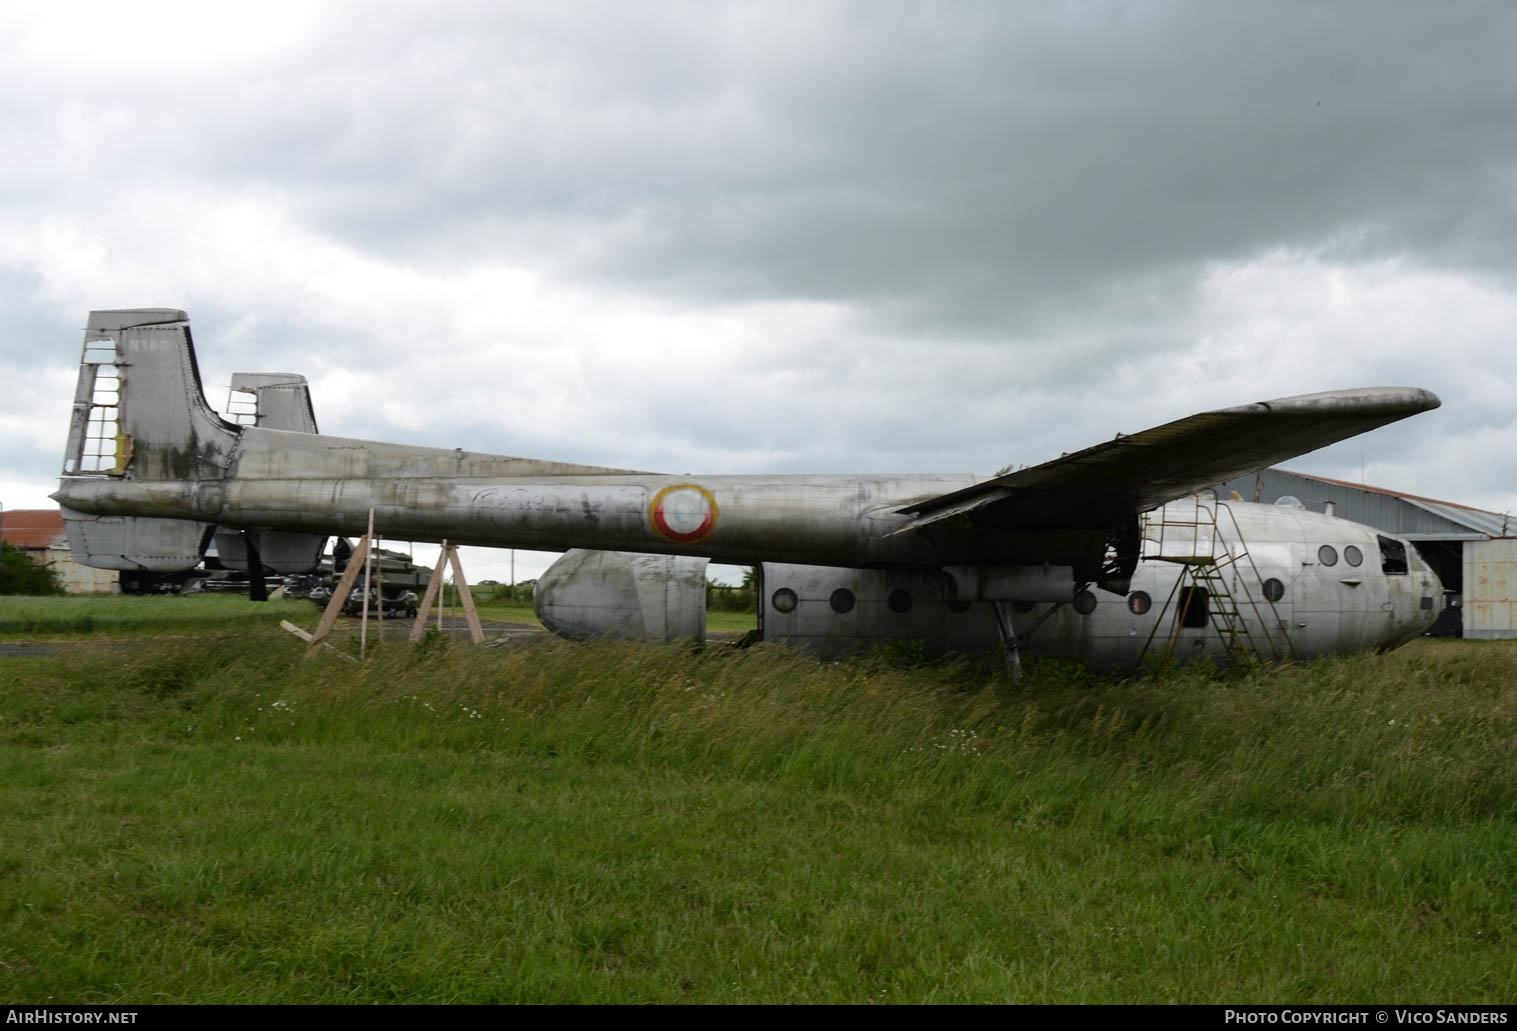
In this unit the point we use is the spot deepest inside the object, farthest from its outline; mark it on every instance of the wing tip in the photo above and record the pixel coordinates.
(1396, 402)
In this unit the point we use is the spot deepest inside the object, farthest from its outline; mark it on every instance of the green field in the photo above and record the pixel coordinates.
(213, 820)
(26, 617)
(116, 614)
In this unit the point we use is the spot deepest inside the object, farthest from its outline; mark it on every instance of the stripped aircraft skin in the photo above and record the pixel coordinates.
(1291, 604)
(152, 471)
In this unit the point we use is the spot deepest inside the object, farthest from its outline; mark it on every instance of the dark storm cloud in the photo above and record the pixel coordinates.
(971, 164)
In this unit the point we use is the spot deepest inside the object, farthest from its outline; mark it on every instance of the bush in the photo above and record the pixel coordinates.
(20, 575)
(722, 598)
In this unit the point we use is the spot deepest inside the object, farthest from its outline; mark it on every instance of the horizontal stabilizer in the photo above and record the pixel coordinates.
(1119, 478)
(279, 551)
(135, 543)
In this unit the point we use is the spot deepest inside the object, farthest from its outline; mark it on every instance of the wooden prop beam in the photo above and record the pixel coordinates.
(306, 636)
(419, 627)
(339, 596)
(476, 634)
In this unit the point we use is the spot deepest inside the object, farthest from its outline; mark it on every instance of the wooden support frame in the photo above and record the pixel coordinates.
(476, 634)
(368, 589)
(339, 596)
(434, 584)
(448, 554)
(306, 637)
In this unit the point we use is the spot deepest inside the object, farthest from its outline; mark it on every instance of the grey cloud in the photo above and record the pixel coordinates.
(1016, 205)
(961, 163)
(968, 165)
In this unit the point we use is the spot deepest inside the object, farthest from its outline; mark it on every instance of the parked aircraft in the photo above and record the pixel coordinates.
(1087, 555)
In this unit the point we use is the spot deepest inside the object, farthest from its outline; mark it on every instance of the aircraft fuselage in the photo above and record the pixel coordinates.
(1056, 550)
(1297, 584)
(278, 480)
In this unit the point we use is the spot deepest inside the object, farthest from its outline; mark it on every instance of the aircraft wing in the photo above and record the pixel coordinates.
(1131, 474)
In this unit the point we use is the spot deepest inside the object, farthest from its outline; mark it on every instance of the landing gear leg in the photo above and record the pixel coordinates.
(1009, 647)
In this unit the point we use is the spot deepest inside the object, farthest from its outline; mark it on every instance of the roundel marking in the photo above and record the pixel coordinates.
(683, 513)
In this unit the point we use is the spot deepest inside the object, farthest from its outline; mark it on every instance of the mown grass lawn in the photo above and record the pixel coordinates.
(117, 614)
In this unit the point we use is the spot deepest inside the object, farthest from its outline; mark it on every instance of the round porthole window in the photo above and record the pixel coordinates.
(899, 600)
(1274, 590)
(841, 600)
(784, 600)
(1352, 555)
(1085, 603)
(1327, 556)
(1138, 602)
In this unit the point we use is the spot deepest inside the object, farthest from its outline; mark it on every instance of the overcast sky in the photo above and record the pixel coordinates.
(781, 236)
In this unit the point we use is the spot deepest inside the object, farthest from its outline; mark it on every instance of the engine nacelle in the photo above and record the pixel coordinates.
(623, 594)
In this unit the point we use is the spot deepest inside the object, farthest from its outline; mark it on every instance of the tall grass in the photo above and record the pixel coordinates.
(555, 822)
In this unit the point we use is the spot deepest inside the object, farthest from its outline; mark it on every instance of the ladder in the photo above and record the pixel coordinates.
(1204, 540)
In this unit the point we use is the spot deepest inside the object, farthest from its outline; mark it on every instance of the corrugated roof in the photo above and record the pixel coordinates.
(1491, 524)
(36, 528)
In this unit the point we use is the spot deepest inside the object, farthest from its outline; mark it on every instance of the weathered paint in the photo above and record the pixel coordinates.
(684, 513)
(590, 594)
(1322, 609)
(1490, 588)
(1029, 534)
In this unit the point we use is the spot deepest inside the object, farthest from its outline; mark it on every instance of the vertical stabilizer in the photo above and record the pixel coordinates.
(139, 410)
(279, 401)
(140, 414)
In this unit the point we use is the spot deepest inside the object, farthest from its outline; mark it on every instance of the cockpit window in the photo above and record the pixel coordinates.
(1392, 556)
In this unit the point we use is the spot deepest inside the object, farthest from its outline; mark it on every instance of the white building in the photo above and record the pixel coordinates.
(40, 534)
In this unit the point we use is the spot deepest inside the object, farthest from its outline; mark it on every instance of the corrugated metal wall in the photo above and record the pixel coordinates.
(1382, 511)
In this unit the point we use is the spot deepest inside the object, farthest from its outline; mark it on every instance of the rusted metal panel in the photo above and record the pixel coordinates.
(1490, 589)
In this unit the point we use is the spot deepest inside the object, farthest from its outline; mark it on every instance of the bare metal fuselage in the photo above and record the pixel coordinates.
(962, 563)
(1271, 565)
(322, 484)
